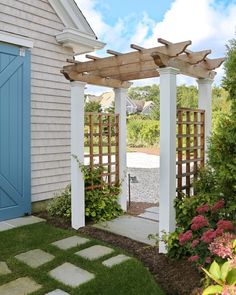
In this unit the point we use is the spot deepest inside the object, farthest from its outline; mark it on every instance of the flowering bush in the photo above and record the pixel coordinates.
(204, 229)
(222, 274)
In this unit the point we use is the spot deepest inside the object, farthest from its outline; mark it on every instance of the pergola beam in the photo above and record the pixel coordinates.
(194, 58)
(185, 68)
(96, 80)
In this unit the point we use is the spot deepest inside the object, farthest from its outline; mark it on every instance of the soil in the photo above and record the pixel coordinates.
(137, 208)
(146, 150)
(175, 277)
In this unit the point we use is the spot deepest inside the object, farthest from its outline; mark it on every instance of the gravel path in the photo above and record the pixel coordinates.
(147, 187)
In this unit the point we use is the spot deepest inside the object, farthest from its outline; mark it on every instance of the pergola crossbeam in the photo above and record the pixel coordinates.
(194, 58)
(136, 47)
(113, 52)
(96, 80)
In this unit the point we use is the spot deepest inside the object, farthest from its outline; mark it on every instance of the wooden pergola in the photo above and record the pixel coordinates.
(116, 71)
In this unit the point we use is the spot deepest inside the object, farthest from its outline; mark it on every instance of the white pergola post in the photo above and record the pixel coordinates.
(205, 103)
(120, 108)
(77, 149)
(167, 151)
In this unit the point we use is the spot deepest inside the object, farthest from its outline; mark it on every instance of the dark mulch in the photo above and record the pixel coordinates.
(137, 208)
(174, 277)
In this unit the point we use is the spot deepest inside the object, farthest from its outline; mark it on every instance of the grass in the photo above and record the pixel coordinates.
(130, 277)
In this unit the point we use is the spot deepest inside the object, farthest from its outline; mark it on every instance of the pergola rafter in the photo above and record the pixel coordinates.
(116, 70)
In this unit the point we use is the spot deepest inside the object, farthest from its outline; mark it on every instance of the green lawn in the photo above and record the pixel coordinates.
(130, 277)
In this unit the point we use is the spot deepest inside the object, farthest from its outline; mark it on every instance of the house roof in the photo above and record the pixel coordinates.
(107, 99)
(77, 33)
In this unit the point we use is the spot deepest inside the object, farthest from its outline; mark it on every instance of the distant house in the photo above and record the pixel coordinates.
(147, 108)
(107, 100)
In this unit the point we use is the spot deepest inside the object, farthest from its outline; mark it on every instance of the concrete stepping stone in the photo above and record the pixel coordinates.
(149, 215)
(94, 252)
(4, 270)
(21, 286)
(71, 275)
(153, 210)
(70, 242)
(57, 292)
(115, 260)
(35, 258)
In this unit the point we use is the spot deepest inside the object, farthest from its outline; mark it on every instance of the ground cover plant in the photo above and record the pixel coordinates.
(130, 277)
(100, 203)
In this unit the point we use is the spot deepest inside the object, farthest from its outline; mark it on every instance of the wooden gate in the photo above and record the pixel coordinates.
(190, 147)
(102, 144)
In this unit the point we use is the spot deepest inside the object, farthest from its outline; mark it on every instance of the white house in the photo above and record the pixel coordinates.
(36, 38)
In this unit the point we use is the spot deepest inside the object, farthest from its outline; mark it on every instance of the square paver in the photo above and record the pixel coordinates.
(57, 292)
(5, 226)
(115, 260)
(95, 252)
(21, 221)
(21, 286)
(153, 209)
(71, 275)
(149, 215)
(70, 242)
(4, 270)
(35, 258)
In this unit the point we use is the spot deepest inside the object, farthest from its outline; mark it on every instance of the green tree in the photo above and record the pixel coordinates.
(92, 107)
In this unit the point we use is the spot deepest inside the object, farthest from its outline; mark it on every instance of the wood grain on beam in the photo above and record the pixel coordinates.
(136, 47)
(126, 59)
(175, 49)
(113, 52)
(211, 64)
(194, 58)
(137, 75)
(96, 80)
(185, 68)
(93, 57)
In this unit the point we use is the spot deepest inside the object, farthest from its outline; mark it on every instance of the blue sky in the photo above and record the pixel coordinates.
(208, 23)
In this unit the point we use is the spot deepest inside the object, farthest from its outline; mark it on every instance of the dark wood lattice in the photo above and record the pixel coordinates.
(190, 147)
(102, 144)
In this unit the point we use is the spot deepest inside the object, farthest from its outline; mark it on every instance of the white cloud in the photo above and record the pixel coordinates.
(209, 24)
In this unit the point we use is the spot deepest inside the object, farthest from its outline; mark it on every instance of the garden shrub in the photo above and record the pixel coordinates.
(60, 205)
(100, 203)
(142, 132)
(210, 221)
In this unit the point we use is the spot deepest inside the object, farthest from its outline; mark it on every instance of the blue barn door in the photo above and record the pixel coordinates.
(15, 175)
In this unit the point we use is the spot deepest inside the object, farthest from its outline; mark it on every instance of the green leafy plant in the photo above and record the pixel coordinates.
(100, 202)
(60, 205)
(224, 276)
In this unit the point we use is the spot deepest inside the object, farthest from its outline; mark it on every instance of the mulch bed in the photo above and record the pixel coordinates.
(137, 208)
(174, 277)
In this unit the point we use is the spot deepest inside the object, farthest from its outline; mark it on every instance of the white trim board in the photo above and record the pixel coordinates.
(16, 39)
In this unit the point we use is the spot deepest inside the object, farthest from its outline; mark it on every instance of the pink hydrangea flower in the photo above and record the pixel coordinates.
(218, 205)
(199, 222)
(185, 237)
(193, 258)
(194, 243)
(223, 246)
(203, 209)
(208, 236)
(225, 225)
(228, 290)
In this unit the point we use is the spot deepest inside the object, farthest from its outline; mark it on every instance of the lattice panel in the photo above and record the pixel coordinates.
(102, 145)
(190, 147)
